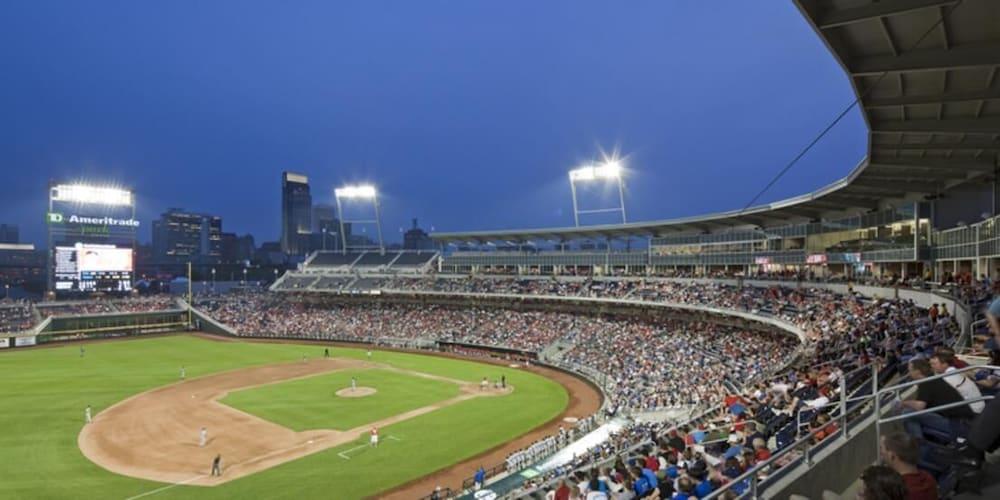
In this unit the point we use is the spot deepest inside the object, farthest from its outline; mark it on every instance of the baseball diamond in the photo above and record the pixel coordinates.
(688, 250)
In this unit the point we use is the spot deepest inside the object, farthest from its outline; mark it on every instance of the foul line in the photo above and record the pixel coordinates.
(249, 460)
(167, 487)
(344, 453)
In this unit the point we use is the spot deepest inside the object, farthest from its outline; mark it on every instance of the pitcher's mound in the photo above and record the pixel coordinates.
(359, 392)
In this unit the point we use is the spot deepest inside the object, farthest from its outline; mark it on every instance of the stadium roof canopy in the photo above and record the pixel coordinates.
(926, 74)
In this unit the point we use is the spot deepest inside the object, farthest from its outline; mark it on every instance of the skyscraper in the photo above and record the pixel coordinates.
(180, 236)
(296, 213)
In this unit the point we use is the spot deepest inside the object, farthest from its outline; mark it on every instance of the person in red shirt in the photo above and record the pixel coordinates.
(651, 462)
(760, 451)
(562, 493)
(900, 451)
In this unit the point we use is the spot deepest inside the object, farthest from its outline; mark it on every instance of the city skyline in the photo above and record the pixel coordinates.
(457, 123)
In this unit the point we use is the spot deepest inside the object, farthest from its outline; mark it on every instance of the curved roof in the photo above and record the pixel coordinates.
(926, 75)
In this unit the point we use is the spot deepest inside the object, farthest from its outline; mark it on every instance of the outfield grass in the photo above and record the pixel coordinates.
(44, 392)
(312, 404)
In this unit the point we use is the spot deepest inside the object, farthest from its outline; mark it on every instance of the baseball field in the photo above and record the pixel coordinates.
(285, 419)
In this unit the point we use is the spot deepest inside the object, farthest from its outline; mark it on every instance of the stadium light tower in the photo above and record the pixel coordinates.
(363, 192)
(609, 171)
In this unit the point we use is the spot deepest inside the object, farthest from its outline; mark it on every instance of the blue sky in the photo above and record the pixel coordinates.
(466, 114)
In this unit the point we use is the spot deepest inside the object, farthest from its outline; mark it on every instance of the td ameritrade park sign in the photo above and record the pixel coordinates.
(58, 218)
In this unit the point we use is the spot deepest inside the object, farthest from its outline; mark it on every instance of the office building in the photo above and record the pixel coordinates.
(181, 236)
(296, 213)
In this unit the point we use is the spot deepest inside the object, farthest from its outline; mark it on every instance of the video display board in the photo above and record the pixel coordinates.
(86, 267)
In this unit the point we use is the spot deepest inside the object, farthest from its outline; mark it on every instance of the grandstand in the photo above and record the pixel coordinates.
(753, 353)
(898, 239)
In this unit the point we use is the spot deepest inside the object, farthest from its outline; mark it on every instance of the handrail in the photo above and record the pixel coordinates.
(935, 409)
(956, 371)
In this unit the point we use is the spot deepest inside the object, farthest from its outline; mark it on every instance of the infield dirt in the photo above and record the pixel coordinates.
(155, 435)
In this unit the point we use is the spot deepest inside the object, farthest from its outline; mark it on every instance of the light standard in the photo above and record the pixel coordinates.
(363, 192)
(213, 280)
(244, 277)
(6, 291)
(609, 171)
(324, 239)
(275, 274)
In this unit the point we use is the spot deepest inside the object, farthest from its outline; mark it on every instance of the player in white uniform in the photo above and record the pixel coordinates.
(86, 414)
(354, 384)
(183, 373)
(374, 438)
(369, 354)
(203, 437)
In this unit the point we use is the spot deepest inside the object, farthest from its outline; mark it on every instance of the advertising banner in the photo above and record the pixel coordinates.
(4, 343)
(816, 258)
(24, 341)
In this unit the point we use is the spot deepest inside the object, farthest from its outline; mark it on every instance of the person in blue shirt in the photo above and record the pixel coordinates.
(648, 473)
(640, 483)
(480, 477)
(685, 487)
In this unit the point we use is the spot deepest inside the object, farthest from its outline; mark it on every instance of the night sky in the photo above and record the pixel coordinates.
(466, 114)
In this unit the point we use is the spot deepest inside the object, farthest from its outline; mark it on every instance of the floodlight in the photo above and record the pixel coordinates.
(82, 193)
(363, 191)
(358, 192)
(611, 170)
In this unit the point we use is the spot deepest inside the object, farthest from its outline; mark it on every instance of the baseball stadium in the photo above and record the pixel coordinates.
(840, 343)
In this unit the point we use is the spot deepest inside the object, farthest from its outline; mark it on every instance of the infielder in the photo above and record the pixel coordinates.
(203, 437)
(374, 438)
(484, 384)
(183, 373)
(354, 384)
(217, 465)
(86, 414)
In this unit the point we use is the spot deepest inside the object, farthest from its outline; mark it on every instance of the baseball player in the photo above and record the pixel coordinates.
(374, 438)
(183, 373)
(484, 384)
(217, 465)
(326, 352)
(82, 350)
(86, 414)
(354, 384)
(369, 354)
(203, 437)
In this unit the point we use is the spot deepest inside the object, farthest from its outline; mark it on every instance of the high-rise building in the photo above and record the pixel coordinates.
(237, 248)
(417, 239)
(181, 236)
(296, 213)
(9, 234)
(326, 229)
(324, 216)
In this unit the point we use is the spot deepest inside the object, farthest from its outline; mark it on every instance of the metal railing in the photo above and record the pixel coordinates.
(894, 391)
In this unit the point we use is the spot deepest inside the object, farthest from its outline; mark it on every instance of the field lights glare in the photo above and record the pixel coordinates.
(364, 191)
(609, 170)
(81, 193)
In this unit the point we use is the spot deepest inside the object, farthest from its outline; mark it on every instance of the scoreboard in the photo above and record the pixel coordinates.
(86, 267)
